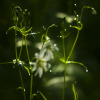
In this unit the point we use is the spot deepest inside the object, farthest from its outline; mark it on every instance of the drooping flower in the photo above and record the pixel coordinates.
(46, 53)
(41, 62)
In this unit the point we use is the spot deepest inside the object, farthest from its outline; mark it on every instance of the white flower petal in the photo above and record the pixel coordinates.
(47, 43)
(45, 67)
(42, 63)
(40, 71)
(39, 45)
(41, 54)
(48, 56)
(34, 67)
(54, 48)
(36, 72)
(36, 55)
(49, 65)
(32, 63)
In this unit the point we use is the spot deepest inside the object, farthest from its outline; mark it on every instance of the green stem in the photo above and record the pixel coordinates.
(18, 66)
(31, 70)
(17, 60)
(64, 48)
(67, 60)
(73, 45)
(15, 43)
(31, 84)
(22, 83)
(27, 48)
(6, 63)
(21, 47)
(82, 11)
(64, 71)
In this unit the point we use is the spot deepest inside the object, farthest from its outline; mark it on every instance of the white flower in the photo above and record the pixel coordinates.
(41, 62)
(48, 47)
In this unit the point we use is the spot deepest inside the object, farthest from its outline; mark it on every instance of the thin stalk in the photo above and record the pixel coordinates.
(82, 11)
(64, 71)
(73, 45)
(31, 84)
(15, 43)
(67, 60)
(21, 47)
(31, 70)
(64, 48)
(27, 49)
(6, 63)
(22, 82)
(18, 66)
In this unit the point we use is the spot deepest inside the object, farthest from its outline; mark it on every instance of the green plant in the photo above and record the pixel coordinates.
(22, 26)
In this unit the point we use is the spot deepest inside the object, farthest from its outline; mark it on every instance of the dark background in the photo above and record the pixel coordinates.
(87, 50)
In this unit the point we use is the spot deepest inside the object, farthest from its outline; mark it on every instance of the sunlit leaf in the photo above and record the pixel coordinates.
(67, 62)
(63, 60)
(77, 63)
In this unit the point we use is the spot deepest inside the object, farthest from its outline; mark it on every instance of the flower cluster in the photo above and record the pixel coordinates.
(42, 58)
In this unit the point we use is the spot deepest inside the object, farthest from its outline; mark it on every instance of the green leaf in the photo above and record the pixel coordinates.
(27, 69)
(75, 93)
(80, 26)
(42, 95)
(21, 88)
(63, 60)
(77, 63)
(23, 32)
(33, 95)
(67, 35)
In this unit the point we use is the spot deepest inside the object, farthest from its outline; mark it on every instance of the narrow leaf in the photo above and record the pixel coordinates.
(75, 93)
(20, 88)
(63, 60)
(27, 69)
(42, 95)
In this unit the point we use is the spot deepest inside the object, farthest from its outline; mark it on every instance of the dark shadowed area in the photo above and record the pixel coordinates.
(87, 50)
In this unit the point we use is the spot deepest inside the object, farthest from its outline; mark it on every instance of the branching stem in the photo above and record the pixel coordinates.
(65, 70)
(67, 60)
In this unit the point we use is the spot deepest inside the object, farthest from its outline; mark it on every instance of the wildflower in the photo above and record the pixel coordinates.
(43, 56)
(41, 62)
(48, 47)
